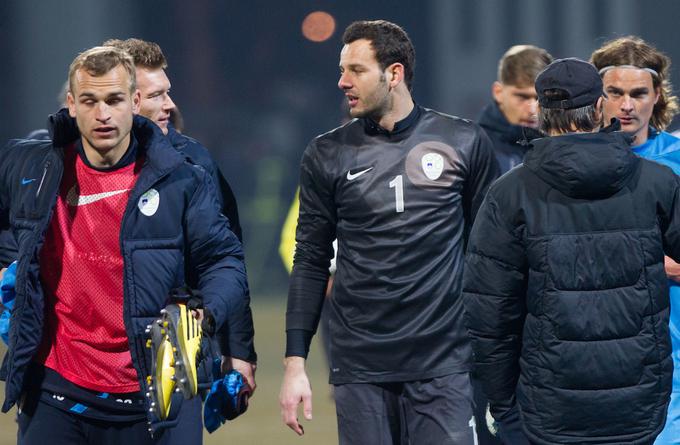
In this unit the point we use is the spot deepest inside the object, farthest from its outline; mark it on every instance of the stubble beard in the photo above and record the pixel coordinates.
(381, 102)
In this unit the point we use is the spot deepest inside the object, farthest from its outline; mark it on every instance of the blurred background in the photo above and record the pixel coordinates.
(256, 80)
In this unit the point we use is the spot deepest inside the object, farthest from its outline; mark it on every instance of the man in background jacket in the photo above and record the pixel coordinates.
(511, 116)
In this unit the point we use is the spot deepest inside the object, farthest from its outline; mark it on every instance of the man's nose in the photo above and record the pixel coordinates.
(102, 112)
(343, 82)
(168, 103)
(626, 103)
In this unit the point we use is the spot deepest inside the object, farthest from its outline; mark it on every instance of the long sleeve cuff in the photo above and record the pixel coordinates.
(297, 342)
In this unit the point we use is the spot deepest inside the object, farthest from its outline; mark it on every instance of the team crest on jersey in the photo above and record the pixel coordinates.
(433, 165)
(148, 202)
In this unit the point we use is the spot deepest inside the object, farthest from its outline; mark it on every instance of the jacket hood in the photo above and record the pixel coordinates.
(584, 165)
(492, 120)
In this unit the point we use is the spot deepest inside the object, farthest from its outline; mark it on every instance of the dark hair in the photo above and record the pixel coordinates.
(390, 43)
(632, 50)
(145, 54)
(520, 65)
(566, 121)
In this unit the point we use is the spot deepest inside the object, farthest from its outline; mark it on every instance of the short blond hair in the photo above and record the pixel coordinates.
(100, 60)
(520, 65)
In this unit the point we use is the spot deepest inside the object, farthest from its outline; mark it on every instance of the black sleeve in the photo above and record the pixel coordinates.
(236, 334)
(229, 206)
(482, 171)
(494, 293)
(670, 223)
(314, 249)
(236, 339)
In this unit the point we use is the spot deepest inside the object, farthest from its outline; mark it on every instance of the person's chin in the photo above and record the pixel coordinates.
(632, 128)
(356, 112)
(104, 143)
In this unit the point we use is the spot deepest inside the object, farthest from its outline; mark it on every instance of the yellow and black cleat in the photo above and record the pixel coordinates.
(184, 334)
(162, 382)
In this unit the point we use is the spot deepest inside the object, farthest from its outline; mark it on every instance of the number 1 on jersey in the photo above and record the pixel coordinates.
(398, 185)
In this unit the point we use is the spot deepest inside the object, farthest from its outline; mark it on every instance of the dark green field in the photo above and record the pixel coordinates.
(262, 423)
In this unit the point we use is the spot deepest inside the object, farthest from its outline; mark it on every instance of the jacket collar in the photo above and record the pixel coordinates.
(492, 119)
(402, 127)
(160, 155)
(176, 139)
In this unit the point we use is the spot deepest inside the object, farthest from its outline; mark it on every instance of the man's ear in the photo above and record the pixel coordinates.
(71, 104)
(497, 91)
(599, 112)
(395, 74)
(136, 101)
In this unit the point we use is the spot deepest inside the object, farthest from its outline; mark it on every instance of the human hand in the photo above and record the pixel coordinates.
(247, 370)
(198, 314)
(295, 389)
(672, 269)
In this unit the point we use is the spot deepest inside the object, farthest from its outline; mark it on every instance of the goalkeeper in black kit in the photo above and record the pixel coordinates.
(399, 187)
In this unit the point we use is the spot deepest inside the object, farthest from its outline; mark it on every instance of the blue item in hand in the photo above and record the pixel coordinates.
(228, 398)
(7, 295)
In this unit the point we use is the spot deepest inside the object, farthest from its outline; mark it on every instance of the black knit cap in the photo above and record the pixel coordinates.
(578, 78)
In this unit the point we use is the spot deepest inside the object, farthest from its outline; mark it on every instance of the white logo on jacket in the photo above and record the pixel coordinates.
(149, 201)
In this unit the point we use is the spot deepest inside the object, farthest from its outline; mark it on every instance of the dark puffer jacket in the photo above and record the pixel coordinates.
(507, 138)
(566, 294)
(185, 234)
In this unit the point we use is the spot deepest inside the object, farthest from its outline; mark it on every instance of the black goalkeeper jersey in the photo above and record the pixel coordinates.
(400, 204)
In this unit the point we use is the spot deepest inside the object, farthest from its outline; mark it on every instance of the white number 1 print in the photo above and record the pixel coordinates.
(398, 185)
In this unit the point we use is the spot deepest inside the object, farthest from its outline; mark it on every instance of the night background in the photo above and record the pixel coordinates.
(254, 90)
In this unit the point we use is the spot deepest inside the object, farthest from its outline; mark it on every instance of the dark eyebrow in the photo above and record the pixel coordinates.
(613, 89)
(634, 91)
(641, 90)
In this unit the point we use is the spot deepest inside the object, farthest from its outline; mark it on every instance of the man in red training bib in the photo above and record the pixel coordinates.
(107, 224)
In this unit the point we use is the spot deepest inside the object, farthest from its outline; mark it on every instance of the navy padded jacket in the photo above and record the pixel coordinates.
(186, 235)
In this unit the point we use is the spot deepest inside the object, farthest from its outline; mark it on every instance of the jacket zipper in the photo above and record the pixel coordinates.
(139, 356)
(42, 179)
(19, 308)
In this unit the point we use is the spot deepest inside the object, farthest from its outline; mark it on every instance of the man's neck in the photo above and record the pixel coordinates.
(105, 159)
(401, 108)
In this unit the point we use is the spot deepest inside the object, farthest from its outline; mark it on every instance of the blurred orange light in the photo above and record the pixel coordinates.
(318, 26)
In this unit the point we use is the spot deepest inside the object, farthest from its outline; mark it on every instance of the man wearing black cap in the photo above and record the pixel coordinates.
(564, 285)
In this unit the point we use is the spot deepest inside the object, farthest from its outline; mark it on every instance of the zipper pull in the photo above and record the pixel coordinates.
(42, 179)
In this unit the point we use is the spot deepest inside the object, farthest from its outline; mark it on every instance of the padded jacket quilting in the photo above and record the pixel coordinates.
(566, 294)
(186, 234)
